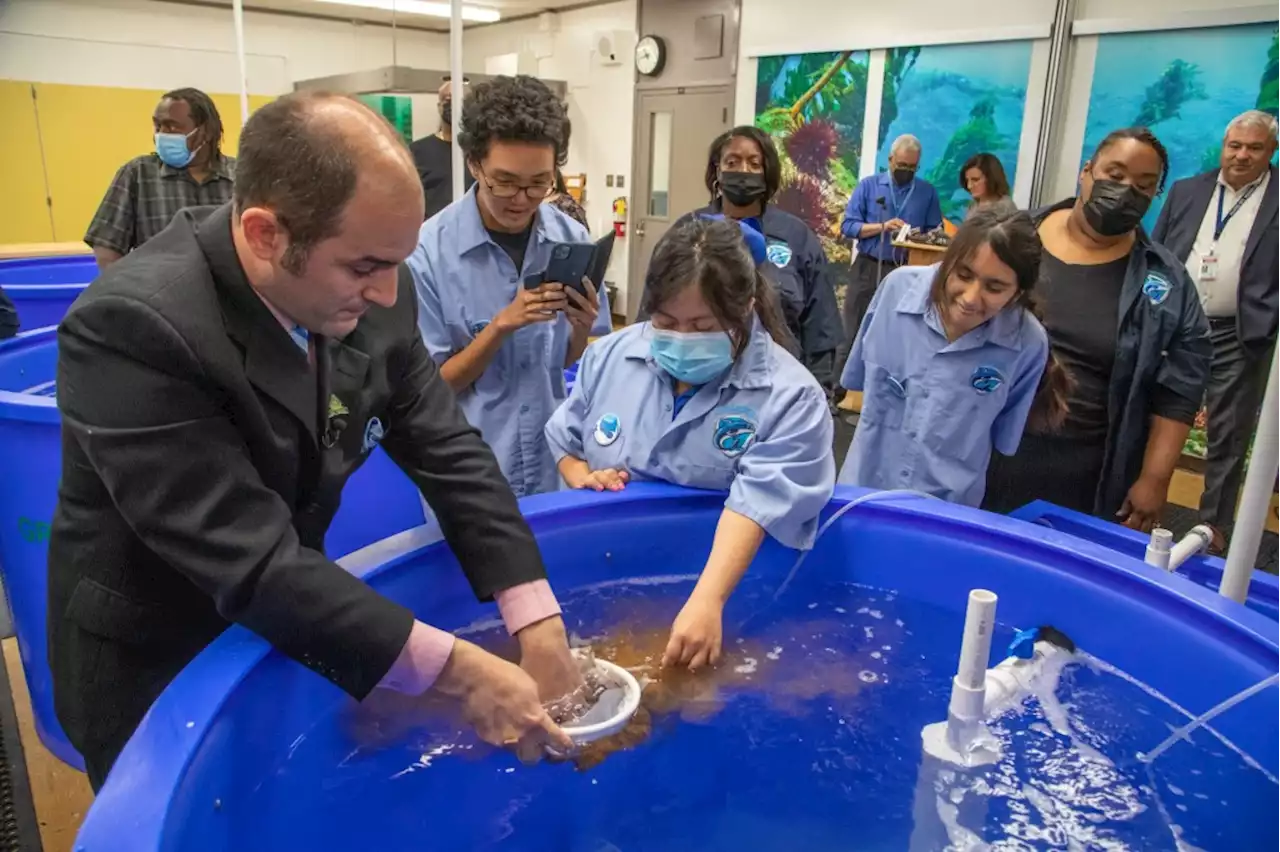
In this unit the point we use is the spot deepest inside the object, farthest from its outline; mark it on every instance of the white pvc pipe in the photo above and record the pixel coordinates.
(457, 90)
(1195, 541)
(975, 648)
(1158, 548)
(237, 12)
(1255, 500)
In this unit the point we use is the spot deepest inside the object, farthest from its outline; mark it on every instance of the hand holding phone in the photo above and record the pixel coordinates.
(537, 304)
(583, 306)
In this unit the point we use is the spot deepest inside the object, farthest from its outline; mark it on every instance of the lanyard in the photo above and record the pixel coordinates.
(899, 207)
(1220, 224)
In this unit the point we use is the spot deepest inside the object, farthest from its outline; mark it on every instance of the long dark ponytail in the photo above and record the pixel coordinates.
(1013, 238)
(711, 253)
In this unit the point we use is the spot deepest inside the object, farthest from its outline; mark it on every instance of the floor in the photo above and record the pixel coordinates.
(62, 794)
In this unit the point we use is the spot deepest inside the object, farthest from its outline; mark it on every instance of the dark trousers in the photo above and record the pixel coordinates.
(1063, 469)
(1237, 381)
(863, 281)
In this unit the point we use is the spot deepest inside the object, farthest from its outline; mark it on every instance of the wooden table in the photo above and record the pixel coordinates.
(13, 250)
(920, 254)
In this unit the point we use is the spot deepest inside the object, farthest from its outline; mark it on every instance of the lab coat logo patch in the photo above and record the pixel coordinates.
(608, 428)
(779, 254)
(986, 379)
(1156, 289)
(373, 435)
(734, 434)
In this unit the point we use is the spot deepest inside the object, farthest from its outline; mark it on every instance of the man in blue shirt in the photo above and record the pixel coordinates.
(500, 345)
(878, 209)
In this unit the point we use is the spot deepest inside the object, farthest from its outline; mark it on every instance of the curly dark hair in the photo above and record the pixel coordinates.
(203, 113)
(1138, 134)
(513, 109)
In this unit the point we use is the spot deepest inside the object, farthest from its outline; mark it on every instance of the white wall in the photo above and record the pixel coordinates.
(141, 44)
(600, 97)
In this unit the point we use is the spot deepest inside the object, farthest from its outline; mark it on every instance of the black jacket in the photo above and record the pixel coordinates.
(197, 487)
(8, 317)
(1176, 230)
(797, 266)
(1161, 365)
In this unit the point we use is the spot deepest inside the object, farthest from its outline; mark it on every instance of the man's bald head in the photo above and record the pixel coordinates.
(305, 156)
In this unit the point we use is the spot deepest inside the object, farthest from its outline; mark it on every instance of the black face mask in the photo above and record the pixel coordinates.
(902, 177)
(743, 188)
(1114, 208)
(446, 114)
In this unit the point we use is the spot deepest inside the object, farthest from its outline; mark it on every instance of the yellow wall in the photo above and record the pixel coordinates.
(88, 132)
(24, 218)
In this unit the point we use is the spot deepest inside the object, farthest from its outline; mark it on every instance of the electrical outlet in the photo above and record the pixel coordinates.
(621, 182)
(608, 180)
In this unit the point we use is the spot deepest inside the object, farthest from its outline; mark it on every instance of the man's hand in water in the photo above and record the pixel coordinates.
(544, 655)
(696, 634)
(500, 701)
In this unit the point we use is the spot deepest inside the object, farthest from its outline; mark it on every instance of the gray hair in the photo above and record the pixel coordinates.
(908, 143)
(1254, 118)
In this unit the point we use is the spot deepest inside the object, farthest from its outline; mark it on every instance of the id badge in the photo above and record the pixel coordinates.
(1209, 267)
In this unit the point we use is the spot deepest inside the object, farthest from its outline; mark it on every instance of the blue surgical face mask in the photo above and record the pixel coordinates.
(172, 148)
(693, 358)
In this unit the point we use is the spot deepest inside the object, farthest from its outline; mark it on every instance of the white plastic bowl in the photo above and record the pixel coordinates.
(583, 734)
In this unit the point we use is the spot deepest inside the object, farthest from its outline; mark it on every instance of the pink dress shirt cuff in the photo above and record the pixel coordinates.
(428, 648)
(525, 604)
(421, 660)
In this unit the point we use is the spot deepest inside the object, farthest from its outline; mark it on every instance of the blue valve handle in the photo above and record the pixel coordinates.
(1024, 643)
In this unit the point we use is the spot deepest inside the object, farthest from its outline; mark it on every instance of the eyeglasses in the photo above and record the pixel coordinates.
(537, 191)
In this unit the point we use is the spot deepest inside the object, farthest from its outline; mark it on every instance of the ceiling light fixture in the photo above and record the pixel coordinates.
(476, 14)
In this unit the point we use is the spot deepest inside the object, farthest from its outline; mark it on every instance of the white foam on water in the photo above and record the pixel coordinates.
(775, 653)
(875, 613)
(840, 610)
(658, 580)
(813, 606)
(424, 761)
(868, 677)
(898, 621)
(748, 666)
(875, 655)
(1176, 790)
(862, 610)
(871, 634)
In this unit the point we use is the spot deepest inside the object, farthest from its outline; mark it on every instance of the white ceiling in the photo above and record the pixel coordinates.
(508, 8)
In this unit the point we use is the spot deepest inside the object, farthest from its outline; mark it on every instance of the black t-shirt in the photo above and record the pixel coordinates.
(434, 158)
(513, 244)
(1082, 314)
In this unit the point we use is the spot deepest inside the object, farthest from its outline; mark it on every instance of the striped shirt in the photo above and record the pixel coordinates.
(145, 196)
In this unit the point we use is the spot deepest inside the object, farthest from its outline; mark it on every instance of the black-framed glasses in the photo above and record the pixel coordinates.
(537, 191)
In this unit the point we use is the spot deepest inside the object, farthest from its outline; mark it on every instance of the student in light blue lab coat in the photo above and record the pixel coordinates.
(952, 360)
(704, 395)
(501, 345)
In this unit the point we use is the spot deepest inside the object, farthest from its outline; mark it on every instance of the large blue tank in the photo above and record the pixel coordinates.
(42, 288)
(249, 751)
(379, 501)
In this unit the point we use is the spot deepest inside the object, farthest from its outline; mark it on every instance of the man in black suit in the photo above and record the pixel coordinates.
(1222, 224)
(217, 388)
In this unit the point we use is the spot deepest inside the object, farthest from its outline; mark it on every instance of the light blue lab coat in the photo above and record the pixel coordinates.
(933, 409)
(762, 432)
(463, 280)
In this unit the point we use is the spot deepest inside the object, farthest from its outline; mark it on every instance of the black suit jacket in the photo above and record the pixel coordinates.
(1178, 225)
(197, 486)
